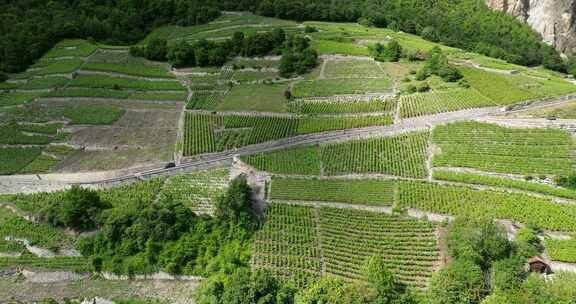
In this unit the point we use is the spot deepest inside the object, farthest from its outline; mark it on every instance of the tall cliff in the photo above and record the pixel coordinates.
(555, 20)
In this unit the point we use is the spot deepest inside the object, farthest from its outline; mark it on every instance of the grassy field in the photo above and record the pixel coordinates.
(510, 89)
(220, 27)
(255, 97)
(304, 106)
(107, 82)
(210, 133)
(71, 48)
(13, 160)
(353, 69)
(501, 182)
(561, 250)
(331, 87)
(565, 111)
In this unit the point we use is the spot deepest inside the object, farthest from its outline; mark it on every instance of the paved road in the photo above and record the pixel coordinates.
(47, 182)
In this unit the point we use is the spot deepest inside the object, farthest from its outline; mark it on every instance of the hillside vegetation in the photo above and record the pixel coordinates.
(291, 161)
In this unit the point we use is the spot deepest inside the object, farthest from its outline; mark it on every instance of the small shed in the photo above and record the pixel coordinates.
(538, 265)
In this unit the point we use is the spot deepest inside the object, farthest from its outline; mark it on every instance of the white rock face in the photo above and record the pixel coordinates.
(555, 20)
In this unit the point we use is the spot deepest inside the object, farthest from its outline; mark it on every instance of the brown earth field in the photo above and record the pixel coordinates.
(142, 136)
(179, 292)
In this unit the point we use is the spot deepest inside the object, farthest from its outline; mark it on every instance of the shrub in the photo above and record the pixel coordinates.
(79, 209)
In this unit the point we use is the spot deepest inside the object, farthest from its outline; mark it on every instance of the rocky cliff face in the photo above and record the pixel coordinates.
(555, 20)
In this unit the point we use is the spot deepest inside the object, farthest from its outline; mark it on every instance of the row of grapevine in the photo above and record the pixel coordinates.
(498, 149)
(209, 89)
(477, 179)
(199, 134)
(287, 244)
(465, 201)
(561, 250)
(210, 133)
(366, 191)
(297, 161)
(198, 190)
(76, 264)
(141, 191)
(296, 240)
(350, 237)
(320, 124)
(402, 155)
(442, 101)
(41, 235)
(311, 106)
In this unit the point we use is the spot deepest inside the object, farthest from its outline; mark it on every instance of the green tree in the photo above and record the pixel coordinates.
(79, 209)
(156, 49)
(237, 205)
(391, 52)
(462, 282)
(480, 241)
(507, 274)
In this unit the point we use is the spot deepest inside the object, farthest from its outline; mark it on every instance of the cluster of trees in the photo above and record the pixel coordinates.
(80, 209)
(212, 53)
(244, 287)
(487, 268)
(466, 24)
(485, 262)
(144, 237)
(438, 64)
(389, 52)
(30, 28)
(297, 55)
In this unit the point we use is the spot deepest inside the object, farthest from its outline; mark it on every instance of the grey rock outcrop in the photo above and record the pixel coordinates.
(555, 20)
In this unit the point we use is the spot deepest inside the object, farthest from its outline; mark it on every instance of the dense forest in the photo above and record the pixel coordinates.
(29, 28)
(466, 24)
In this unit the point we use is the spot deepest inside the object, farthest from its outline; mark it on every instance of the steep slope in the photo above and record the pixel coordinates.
(555, 20)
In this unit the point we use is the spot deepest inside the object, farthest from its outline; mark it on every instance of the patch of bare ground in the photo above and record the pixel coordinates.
(445, 258)
(13, 289)
(141, 137)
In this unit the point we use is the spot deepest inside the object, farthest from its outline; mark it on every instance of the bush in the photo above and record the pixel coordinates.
(423, 87)
(437, 64)
(298, 57)
(3, 77)
(391, 52)
(566, 181)
(461, 282)
(310, 29)
(236, 205)
(79, 209)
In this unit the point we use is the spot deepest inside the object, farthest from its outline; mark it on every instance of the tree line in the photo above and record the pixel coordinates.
(298, 57)
(29, 28)
(143, 237)
(465, 24)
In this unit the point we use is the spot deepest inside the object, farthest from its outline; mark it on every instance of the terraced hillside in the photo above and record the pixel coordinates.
(346, 162)
(305, 242)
